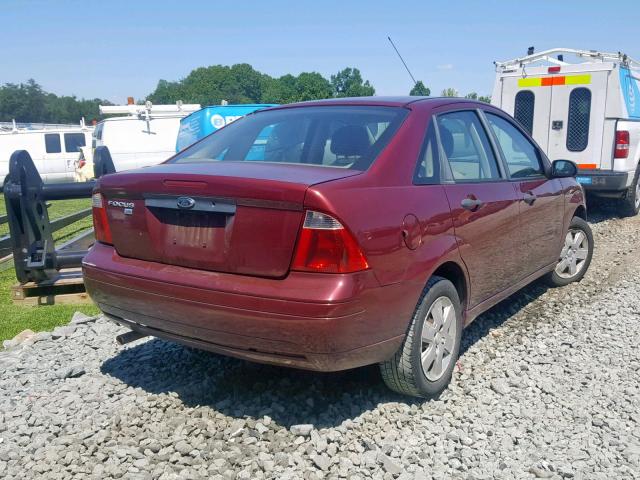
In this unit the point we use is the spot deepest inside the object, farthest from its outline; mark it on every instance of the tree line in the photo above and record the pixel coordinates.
(28, 102)
(240, 83)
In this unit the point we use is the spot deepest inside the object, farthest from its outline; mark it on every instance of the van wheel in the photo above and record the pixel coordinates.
(423, 365)
(630, 202)
(575, 256)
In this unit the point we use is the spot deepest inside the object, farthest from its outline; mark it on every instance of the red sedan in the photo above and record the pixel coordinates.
(334, 234)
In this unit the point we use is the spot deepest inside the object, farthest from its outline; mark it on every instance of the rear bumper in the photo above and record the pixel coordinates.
(311, 321)
(603, 180)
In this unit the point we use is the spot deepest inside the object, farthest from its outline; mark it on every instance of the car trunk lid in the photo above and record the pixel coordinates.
(227, 217)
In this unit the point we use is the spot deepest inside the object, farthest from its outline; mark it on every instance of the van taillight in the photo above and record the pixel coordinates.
(622, 144)
(100, 224)
(324, 245)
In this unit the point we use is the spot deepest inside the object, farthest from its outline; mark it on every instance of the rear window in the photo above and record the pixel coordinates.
(73, 142)
(523, 110)
(578, 123)
(334, 136)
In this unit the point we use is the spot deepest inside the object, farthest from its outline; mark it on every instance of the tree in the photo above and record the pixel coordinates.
(481, 98)
(420, 90)
(449, 92)
(27, 102)
(348, 83)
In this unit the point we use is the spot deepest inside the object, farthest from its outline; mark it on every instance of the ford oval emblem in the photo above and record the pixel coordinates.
(186, 202)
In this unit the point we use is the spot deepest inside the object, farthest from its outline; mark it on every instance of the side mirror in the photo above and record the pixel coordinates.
(563, 169)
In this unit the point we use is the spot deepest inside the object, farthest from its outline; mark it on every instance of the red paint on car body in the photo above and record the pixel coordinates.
(223, 281)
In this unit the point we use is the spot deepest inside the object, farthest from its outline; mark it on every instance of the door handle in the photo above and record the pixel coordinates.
(529, 198)
(471, 204)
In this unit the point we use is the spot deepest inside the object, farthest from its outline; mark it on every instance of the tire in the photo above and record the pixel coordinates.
(572, 250)
(630, 201)
(404, 372)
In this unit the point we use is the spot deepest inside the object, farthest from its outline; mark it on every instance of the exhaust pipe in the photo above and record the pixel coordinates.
(129, 337)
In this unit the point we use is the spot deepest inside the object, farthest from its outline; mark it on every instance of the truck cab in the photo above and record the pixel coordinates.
(582, 106)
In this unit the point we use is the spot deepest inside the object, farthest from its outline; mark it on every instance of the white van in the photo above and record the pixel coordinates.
(53, 148)
(145, 136)
(584, 106)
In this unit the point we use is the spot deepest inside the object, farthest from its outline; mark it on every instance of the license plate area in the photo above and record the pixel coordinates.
(584, 180)
(194, 233)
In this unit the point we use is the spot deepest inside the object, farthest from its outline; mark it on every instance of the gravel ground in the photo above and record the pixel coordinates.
(548, 386)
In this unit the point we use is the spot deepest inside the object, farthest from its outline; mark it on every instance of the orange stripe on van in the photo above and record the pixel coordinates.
(527, 82)
(587, 166)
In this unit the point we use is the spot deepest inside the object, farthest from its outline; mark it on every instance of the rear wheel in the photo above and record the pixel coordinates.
(630, 202)
(575, 255)
(423, 365)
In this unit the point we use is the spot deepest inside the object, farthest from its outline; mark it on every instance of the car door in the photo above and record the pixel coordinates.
(540, 198)
(484, 205)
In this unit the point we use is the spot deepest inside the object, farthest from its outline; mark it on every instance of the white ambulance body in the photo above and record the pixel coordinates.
(586, 110)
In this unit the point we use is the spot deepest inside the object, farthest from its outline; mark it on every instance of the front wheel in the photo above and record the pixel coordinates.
(423, 365)
(575, 255)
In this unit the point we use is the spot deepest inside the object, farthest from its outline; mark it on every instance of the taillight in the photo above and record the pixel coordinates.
(555, 69)
(82, 163)
(100, 223)
(324, 245)
(622, 144)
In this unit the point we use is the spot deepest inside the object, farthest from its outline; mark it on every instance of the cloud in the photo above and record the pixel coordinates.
(446, 66)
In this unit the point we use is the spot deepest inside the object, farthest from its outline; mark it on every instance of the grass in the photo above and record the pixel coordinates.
(15, 318)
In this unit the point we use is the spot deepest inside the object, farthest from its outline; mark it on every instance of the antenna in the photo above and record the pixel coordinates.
(402, 60)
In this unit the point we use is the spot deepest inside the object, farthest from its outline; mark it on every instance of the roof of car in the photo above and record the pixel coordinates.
(401, 101)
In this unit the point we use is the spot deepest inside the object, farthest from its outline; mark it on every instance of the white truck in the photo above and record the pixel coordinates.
(53, 148)
(584, 106)
(145, 135)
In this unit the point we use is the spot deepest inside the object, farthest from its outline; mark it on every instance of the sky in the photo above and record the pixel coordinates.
(114, 49)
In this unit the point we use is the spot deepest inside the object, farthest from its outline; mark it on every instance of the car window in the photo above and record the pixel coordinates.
(333, 136)
(428, 168)
(466, 147)
(73, 142)
(520, 154)
(52, 143)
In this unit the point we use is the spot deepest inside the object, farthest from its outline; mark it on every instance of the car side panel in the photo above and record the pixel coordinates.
(542, 221)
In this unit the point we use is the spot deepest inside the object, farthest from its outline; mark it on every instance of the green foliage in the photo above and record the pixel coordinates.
(420, 90)
(348, 83)
(475, 96)
(449, 92)
(27, 102)
(241, 83)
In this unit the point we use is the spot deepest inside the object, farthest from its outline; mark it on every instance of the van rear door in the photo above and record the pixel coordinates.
(529, 105)
(577, 117)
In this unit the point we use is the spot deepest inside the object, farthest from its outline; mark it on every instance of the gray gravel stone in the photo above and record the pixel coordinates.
(547, 386)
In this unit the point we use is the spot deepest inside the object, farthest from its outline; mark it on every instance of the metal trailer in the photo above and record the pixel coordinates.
(40, 265)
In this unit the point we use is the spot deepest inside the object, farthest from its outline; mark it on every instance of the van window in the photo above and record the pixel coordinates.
(578, 123)
(73, 142)
(52, 143)
(523, 110)
(466, 147)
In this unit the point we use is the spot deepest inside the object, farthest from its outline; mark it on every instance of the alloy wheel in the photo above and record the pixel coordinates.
(573, 255)
(438, 338)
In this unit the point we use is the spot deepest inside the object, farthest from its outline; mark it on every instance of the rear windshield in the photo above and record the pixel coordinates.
(333, 136)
